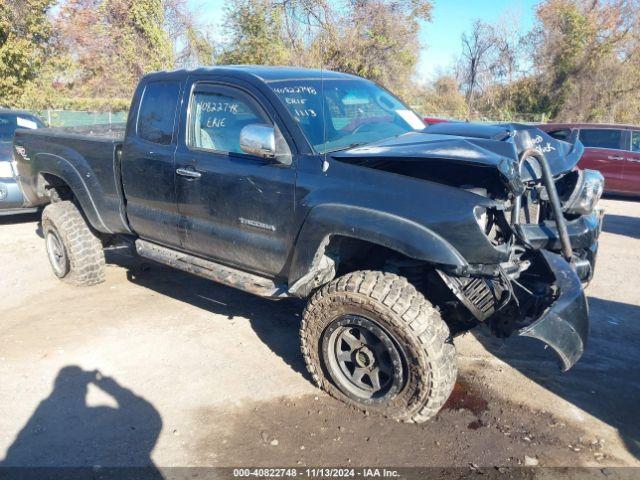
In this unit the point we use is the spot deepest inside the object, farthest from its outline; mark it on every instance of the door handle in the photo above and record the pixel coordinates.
(188, 172)
(615, 157)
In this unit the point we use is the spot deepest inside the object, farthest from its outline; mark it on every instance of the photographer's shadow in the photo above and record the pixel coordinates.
(64, 431)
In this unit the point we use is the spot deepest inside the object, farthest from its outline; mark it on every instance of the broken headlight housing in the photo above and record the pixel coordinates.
(586, 193)
(511, 175)
(480, 214)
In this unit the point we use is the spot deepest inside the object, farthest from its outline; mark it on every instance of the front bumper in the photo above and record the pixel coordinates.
(564, 325)
(583, 232)
(11, 198)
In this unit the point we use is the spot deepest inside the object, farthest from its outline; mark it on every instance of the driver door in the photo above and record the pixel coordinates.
(234, 208)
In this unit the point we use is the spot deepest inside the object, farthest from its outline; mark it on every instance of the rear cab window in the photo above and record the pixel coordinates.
(157, 113)
(602, 138)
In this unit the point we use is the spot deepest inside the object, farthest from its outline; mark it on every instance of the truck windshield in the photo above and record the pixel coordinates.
(9, 122)
(336, 114)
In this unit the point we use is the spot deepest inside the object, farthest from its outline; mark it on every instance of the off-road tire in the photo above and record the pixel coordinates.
(85, 263)
(412, 323)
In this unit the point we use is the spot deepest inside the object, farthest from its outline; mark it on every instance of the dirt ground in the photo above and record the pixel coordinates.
(156, 367)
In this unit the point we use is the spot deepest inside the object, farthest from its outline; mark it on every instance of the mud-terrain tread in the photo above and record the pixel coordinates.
(393, 299)
(84, 249)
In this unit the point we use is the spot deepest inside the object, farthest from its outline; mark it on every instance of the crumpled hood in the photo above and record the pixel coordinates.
(471, 144)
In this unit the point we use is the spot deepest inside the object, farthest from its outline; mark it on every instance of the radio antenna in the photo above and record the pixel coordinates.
(325, 162)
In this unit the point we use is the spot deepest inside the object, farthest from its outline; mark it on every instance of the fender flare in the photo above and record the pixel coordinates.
(62, 168)
(381, 228)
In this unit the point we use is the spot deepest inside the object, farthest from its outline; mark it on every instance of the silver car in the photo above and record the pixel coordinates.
(11, 199)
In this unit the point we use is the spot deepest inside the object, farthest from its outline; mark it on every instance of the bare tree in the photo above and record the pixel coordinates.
(192, 43)
(477, 49)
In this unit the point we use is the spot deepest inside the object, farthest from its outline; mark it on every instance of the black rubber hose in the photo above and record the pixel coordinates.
(565, 241)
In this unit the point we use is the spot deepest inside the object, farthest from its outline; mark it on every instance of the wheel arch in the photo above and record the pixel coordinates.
(328, 225)
(67, 177)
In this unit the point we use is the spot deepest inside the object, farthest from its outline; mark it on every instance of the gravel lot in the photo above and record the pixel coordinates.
(155, 367)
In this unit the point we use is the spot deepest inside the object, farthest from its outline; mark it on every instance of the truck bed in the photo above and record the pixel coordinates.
(85, 158)
(109, 133)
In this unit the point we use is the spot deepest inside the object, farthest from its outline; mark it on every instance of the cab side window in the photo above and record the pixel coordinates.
(157, 113)
(635, 141)
(601, 138)
(216, 119)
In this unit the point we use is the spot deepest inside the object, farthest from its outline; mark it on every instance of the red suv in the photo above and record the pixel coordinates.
(614, 150)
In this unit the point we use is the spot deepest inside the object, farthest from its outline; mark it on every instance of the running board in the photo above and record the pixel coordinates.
(248, 282)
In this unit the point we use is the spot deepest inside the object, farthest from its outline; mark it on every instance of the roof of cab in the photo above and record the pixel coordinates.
(261, 72)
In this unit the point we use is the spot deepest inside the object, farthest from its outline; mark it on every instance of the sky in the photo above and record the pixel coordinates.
(439, 39)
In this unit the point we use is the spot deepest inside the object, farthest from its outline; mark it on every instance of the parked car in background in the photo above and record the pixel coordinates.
(614, 150)
(11, 199)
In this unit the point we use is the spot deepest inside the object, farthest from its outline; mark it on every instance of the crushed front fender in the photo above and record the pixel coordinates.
(564, 326)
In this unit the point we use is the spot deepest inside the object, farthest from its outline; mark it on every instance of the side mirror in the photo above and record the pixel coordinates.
(258, 139)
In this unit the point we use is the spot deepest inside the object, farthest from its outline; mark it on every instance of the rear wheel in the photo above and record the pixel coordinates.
(58, 257)
(75, 252)
(372, 340)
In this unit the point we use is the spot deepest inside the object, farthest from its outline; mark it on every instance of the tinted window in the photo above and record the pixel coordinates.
(158, 111)
(560, 134)
(601, 138)
(217, 119)
(9, 122)
(635, 141)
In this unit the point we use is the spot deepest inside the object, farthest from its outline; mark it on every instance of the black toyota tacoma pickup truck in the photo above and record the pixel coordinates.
(313, 184)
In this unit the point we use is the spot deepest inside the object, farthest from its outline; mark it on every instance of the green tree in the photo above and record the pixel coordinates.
(442, 99)
(113, 43)
(25, 33)
(580, 62)
(589, 57)
(376, 39)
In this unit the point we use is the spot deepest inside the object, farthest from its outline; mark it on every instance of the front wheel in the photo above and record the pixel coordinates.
(373, 341)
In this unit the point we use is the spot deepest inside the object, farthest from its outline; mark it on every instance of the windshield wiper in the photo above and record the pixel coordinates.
(348, 147)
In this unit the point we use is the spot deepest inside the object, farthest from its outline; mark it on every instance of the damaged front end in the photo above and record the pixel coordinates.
(552, 232)
(564, 325)
(546, 301)
(534, 243)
